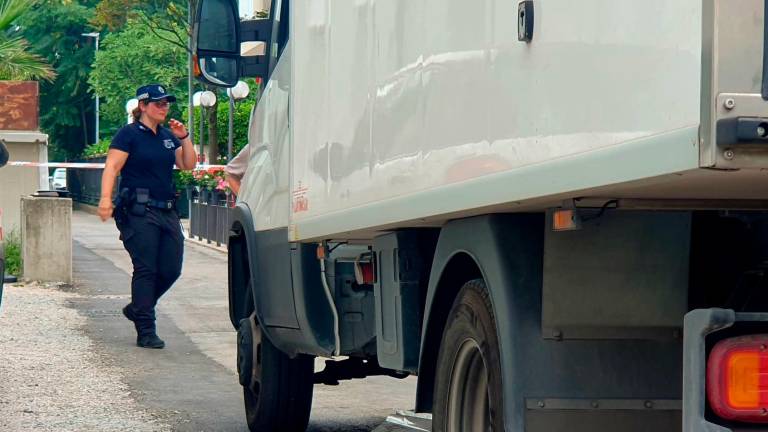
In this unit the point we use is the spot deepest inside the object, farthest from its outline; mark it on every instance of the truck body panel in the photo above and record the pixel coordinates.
(407, 160)
(438, 95)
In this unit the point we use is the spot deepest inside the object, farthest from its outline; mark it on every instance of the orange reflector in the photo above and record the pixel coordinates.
(737, 379)
(321, 252)
(196, 66)
(564, 220)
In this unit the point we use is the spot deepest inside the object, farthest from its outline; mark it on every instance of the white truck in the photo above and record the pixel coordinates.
(553, 212)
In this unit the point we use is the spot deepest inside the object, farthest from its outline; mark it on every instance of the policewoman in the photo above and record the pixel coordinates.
(143, 153)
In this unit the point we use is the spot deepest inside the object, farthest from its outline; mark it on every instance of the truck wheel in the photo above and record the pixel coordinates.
(277, 390)
(468, 393)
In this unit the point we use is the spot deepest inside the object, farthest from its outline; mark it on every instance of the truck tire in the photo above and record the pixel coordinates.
(277, 390)
(468, 390)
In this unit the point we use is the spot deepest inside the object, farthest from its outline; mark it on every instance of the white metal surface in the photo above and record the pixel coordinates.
(732, 70)
(393, 98)
(266, 182)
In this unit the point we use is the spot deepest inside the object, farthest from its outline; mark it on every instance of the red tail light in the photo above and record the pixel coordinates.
(737, 379)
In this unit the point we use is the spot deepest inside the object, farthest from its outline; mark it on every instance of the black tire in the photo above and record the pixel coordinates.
(277, 390)
(468, 390)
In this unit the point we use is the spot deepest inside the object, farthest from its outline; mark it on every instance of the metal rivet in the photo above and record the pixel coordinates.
(729, 104)
(541, 404)
(728, 154)
(595, 404)
(648, 404)
(557, 334)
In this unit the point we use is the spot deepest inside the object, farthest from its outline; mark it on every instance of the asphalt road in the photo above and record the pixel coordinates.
(192, 384)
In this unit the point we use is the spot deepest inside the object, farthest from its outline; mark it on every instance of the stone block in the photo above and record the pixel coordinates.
(46, 236)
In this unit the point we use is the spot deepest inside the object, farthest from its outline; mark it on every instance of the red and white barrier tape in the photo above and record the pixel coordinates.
(83, 165)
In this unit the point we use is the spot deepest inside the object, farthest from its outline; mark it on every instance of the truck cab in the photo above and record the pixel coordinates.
(553, 213)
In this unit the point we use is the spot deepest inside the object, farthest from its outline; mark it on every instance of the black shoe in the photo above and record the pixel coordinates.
(129, 313)
(150, 341)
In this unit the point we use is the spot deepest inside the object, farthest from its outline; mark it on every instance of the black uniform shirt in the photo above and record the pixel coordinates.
(150, 159)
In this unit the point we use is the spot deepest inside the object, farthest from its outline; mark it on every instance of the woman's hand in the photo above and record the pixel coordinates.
(178, 128)
(105, 209)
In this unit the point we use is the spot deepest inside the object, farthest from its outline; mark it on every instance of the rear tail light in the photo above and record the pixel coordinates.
(737, 379)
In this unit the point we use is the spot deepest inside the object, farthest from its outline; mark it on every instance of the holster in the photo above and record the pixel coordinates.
(138, 206)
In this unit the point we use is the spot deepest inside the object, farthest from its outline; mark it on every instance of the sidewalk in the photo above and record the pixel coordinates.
(198, 308)
(198, 303)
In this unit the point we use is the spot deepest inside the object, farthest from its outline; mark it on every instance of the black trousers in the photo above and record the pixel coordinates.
(156, 246)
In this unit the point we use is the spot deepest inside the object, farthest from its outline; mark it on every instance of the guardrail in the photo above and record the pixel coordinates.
(209, 215)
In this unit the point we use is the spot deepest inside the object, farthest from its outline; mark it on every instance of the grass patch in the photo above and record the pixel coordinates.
(13, 253)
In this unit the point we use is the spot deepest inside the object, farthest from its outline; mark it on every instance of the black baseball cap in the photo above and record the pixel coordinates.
(153, 93)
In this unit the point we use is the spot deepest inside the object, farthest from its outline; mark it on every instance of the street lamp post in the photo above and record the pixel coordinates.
(196, 103)
(238, 92)
(96, 36)
(203, 99)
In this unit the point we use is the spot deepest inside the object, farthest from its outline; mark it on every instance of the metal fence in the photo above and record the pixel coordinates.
(209, 215)
(85, 184)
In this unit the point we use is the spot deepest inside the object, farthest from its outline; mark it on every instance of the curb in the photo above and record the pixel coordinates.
(200, 243)
(203, 244)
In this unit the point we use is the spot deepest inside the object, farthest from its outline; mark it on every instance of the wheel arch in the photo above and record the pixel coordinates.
(506, 251)
(460, 268)
(240, 267)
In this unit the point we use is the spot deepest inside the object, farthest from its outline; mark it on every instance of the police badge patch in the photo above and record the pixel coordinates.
(168, 144)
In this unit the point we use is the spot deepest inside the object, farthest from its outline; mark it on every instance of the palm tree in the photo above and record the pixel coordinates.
(16, 62)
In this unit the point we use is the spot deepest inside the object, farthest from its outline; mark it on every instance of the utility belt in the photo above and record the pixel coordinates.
(136, 201)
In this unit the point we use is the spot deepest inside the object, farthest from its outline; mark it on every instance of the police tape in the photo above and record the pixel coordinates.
(85, 165)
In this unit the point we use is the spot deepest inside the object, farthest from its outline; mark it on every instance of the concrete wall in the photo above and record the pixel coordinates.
(16, 182)
(46, 238)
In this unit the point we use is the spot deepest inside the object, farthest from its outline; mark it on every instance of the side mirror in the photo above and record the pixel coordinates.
(4, 156)
(216, 38)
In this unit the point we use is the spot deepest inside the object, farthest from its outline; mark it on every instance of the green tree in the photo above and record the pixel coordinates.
(16, 60)
(54, 28)
(130, 58)
(241, 119)
(167, 19)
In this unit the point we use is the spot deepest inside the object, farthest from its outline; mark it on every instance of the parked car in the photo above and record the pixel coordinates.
(59, 178)
(3, 161)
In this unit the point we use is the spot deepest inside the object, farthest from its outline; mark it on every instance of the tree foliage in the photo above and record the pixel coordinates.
(17, 62)
(133, 57)
(166, 19)
(54, 29)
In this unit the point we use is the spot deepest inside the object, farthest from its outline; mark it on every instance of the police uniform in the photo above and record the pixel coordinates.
(145, 214)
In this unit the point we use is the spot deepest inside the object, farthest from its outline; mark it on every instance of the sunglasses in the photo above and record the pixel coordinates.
(161, 104)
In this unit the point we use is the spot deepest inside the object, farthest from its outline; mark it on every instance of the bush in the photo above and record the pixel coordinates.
(96, 150)
(13, 254)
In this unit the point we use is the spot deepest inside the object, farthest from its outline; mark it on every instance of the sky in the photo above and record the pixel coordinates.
(245, 7)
